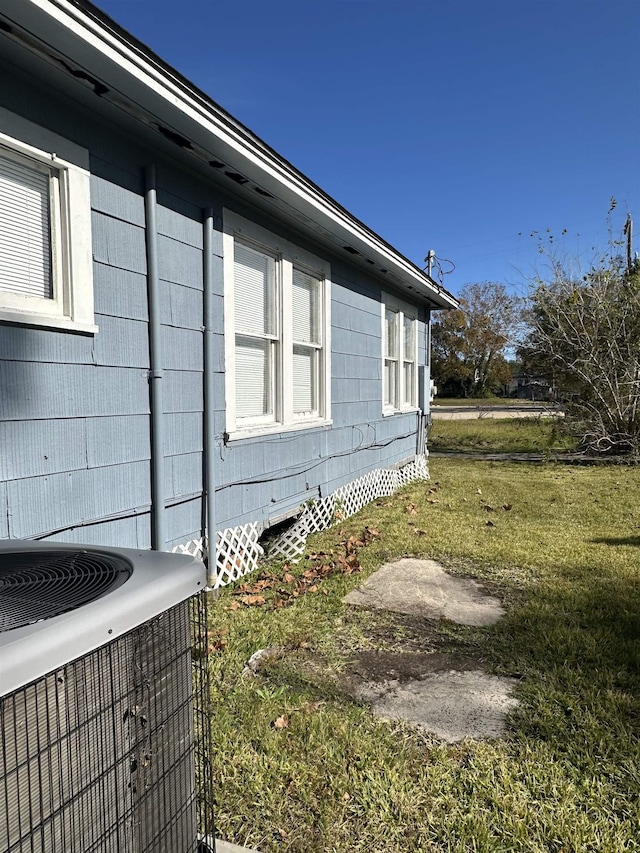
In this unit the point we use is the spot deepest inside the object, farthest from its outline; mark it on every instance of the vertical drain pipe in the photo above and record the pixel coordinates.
(158, 514)
(209, 398)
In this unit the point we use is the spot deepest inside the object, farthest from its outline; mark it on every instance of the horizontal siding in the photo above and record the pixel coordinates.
(179, 263)
(186, 474)
(112, 534)
(4, 521)
(42, 504)
(45, 391)
(184, 225)
(183, 433)
(118, 244)
(346, 297)
(122, 343)
(117, 201)
(20, 343)
(183, 521)
(34, 448)
(119, 293)
(350, 343)
(182, 349)
(117, 439)
(182, 306)
(183, 391)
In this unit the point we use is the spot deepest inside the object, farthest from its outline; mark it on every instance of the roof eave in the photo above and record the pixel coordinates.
(136, 79)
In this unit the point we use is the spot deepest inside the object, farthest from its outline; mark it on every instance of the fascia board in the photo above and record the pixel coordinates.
(123, 66)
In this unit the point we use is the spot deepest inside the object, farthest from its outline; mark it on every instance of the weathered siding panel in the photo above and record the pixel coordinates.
(61, 500)
(186, 474)
(18, 343)
(119, 293)
(114, 440)
(183, 433)
(121, 343)
(31, 390)
(117, 201)
(179, 263)
(112, 534)
(183, 391)
(33, 448)
(182, 349)
(118, 243)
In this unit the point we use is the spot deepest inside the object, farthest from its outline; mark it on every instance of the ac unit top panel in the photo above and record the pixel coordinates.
(60, 601)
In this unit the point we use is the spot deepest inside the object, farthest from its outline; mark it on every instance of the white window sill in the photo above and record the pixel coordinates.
(387, 413)
(274, 429)
(47, 321)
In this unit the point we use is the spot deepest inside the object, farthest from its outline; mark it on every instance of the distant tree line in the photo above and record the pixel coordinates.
(581, 331)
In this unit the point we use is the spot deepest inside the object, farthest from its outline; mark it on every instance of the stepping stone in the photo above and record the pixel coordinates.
(423, 588)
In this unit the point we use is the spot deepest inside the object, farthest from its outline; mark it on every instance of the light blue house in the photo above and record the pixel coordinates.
(193, 335)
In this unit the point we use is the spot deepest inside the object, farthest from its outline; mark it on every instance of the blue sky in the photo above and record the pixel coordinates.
(447, 124)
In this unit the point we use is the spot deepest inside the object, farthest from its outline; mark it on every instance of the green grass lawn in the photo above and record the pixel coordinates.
(300, 766)
(504, 435)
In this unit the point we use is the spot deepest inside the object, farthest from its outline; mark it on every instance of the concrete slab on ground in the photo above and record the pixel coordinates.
(452, 705)
(423, 588)
(227, 847)
(444, 693)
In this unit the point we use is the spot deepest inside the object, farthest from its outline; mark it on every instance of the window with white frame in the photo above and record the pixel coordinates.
(277, 303)
(400, 356)
(45, 228)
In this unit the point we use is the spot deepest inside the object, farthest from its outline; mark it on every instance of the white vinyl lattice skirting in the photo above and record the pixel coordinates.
(238, 550)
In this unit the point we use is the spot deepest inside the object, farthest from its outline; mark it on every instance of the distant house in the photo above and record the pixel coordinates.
(527, 387)
(193, 336)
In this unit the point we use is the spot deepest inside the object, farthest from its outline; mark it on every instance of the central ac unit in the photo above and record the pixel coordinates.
(97, 725)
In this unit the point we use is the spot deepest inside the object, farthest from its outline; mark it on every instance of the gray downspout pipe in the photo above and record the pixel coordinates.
(209, 398)
(158, 513)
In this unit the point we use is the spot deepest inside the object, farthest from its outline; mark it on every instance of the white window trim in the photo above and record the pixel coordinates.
(403, 309)
(287, 257)
(72, 304)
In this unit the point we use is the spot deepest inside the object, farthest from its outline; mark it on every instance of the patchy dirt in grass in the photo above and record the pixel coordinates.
(443, 691)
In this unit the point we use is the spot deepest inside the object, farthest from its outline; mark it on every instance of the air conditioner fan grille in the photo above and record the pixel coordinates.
(39, 585)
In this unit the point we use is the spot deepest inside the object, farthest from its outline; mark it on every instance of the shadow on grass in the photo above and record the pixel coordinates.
(618, 540)
(578, 649)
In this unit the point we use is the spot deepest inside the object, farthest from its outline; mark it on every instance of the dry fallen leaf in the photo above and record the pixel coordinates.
(419, 532)
(433, 501)
(506, 507)
(488, 508)
(478, 491)
(287, 577)
(234, 605)
(252, 600)
(411, 509)
(281, 723)
(490, 523)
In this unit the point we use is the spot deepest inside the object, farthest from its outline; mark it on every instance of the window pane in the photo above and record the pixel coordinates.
(254, 378)
(409, 383)
(25, 242)
(391, 384)
(391, 338)
(254, 287)
(409, 338)
(306, 308)
(305, 380)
